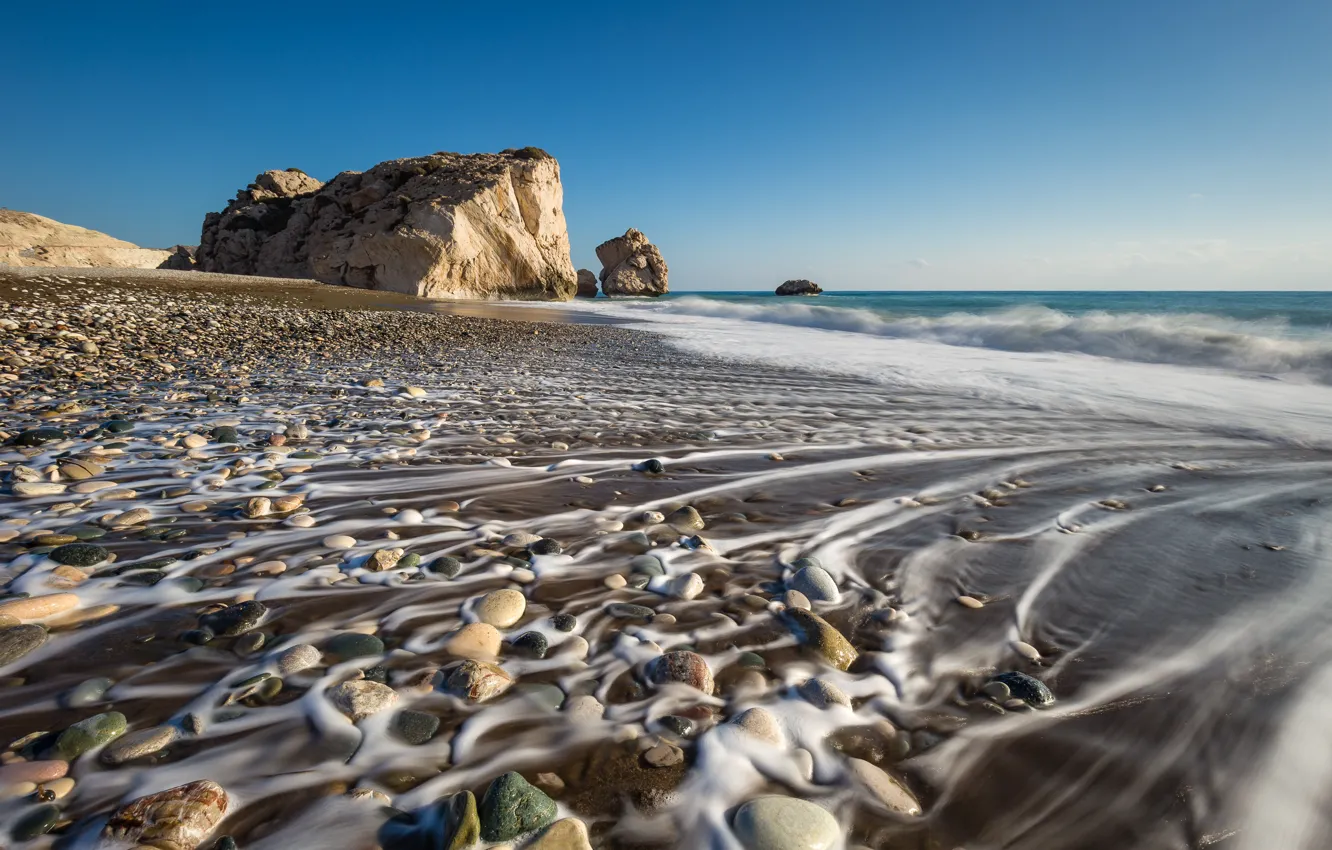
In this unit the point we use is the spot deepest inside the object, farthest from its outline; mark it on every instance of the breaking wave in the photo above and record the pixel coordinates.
(1194, 339)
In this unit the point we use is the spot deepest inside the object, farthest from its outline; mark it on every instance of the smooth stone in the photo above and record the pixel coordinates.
(970, 602)
(79, 554)
(1026, 650)
(795, 599)
(409, 516)
(676, 725)
(134, 516)
(478, 681)
(817, 634)
(85, 693)
(235, 620)
(512, 807)
(785, 823)
(686, 520)
(38, 436)
(762, 724)
(89, 734)
(823, 694)
(301, 521)
(664, 754)
(360, 698)
(688, 668)
(686, 586)
(300, 657)
(649, 565)
(584, 708)
(445, 565)
(519, 540)
(37, 489)
(885, 788)
(501, 608)
(450, 823)
(546, 696)
(478, 641)
(564, 622)
(32, 771)
(415, 727)
(35, 822)
(531, 645)
(39, 607)
(349, 645)
(339, 541)
(816, 584)
(545, 546)
(626, 611)
(139, 744)
(567, 834)
(1032, 691)
(997, 691)
(179, 818)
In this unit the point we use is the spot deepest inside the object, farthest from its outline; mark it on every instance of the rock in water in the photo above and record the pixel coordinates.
(815, 583)
(361, 698)
(567, 834)
(885, 788)
(18, 641)
(785, 823)
(176, 819)
(478, 681)
(1031, 691)
(587, 284)
(235, 620)
(681, 666)
(450, 823)
(441, 226)
(630, 265)
(799, 287)
(79, 554)
(90, 734)
(817, 634)
(512, 806)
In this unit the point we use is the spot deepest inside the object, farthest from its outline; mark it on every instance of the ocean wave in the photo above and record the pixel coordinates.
(1194, 339)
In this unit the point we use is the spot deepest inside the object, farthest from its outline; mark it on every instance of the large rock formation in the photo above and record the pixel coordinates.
(181, 259)
(799, 287)
(587, 284)
(441, 226)
(630, 265)
(34, 240)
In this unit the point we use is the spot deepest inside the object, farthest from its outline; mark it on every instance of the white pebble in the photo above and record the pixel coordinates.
(339, 541)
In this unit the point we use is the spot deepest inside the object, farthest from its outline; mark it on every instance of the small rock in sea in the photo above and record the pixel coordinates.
(512, 807)
(615, 581)
(817, 634)
(339, 541)
(567, 834)
(259, 506)
(39, 607)
(627, 611)
(38, 436)
(478, 681)
(35, 822)
(89, 734)
(234, 620)
(349, 645)
(682, 666)
(760, 723)
(685, 520)
(648, 565)
(531, 645)
(584, 707)
(225, 434)
(179, 818)
(997, 691)
(970, 602)
(478, 641)
(564, 622)
(445, 565)
(301, 521)
(652, 517)
(891, 793)
(138, 744)
(664, 754)
(1032, 691)
(519, 540)
(415, 727)
(79, 554)
(545, 546)
(501, 608)
(795, 599)
(823, 694)
(450, 823)
(37, 489)
(300, 657)
(360, 698)
(785, 823)
(134, 516)
(383, 559)
(816, 584)
(194, 441)
(544, 696)
(686, 586)
(1026, 650)
(674, 724)
(40, 772)
(651, 466)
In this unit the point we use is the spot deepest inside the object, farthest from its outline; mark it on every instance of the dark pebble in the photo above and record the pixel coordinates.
(36, 822)
(531, 644)
(446, 566)
(1031, 691)
(379, 673)
(355, 645)
(626, 611)
(545, 546)
(512, 806)
(225, 434)
(651, 466)
(198, 637)
(677, 725)
(117, 426)
(235, 619)
(79, 554)
(637, 581)
(226, 842)
(416, 727)
(18, 641)
(38, 436)
(564, 622)
(408, 561)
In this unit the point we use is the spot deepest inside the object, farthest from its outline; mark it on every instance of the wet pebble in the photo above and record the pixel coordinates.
(885, 788)
(79, 554)
(681, 666)
(512, 807)
(445, 566)
(139, 744)
(89, 734)
(501, 608)
(478, 681)
(415, 727)
(361, 698)
(179, 818)
(824, 694)
(970, 602)
(785, 823)
(294, 659)
(349, 645)
(564, 622)
(85, 693)
(1031, 691)
(531, 645)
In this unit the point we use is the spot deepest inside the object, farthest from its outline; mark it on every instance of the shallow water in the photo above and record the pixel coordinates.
(1170, 567)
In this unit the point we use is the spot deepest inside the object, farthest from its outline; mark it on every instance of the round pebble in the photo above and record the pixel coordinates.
(501, 608)
(785, 823)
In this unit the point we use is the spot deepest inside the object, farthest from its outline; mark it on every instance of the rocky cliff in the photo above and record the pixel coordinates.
(33, 240)
(441, 226)
(630, 265)
(799, 287)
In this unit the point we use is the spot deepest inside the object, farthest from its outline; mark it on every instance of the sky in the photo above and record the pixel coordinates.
(865, 145)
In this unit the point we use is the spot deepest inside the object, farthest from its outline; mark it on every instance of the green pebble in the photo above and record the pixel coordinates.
(355, 645)
(512, 806)
(406, 562)
(416, 727)
(89, 734)
(79, 554)
(38, 821)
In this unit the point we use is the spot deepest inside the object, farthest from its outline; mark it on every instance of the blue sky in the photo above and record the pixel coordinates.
(1044, 144)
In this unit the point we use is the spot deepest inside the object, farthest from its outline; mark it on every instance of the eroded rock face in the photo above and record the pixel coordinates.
(799, 287)
(587, 284)
(33, 240)
(181, 258)
(441, 226)
(630, 265)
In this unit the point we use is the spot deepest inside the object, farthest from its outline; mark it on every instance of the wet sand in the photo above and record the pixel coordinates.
(360, 469)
